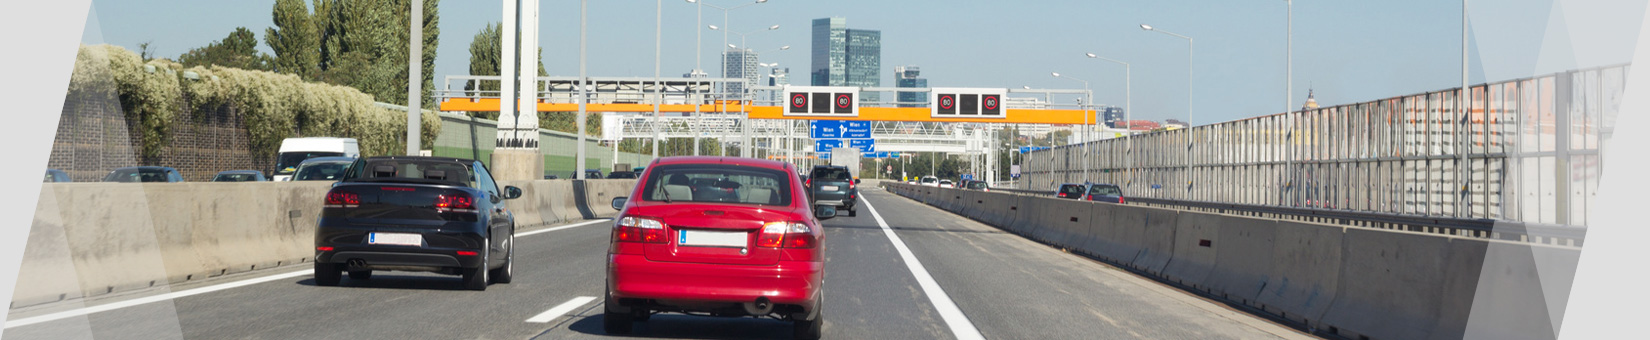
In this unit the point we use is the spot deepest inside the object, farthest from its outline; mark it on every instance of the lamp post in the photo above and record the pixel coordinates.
(658, 91)
(744, 89)
(1089, 99)
(1128, 114)
(1190, 46)
(698, 52)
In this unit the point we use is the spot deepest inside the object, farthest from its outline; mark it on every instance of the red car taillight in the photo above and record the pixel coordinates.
(786, 235)
(1119, 199)
(1062, 195)
(342, 199)
(639, 230)
(455, 203)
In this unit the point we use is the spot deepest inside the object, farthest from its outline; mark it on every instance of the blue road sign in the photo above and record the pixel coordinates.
(826, 129)
(864, 145)
(1025, 149)
(967, 177)
(856, 129)
(824, 146)
(883, 154)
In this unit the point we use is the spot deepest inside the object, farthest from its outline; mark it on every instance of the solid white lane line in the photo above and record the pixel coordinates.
(581, 224)
(203, 290)
(151, 299)
(561, 309)
(953, 316)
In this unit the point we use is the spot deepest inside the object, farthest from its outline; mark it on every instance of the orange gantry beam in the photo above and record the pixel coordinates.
(888, 114)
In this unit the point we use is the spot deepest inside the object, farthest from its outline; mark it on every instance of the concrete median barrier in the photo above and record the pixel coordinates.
(90, 239)
(1150, 233)
(1391, 285)
(1306, 271)
(1196, 240)
(1064, 222)
(599, 194)
(1243, 258)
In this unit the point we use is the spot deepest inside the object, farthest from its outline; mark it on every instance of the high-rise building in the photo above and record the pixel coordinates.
(1110, 115)
(779, 76)
(739, 63)
(846, 57)
(910, 76)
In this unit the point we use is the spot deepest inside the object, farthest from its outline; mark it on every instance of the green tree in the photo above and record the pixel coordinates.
(364, 45)
(295, 39)
(238, 50)
(484, 61)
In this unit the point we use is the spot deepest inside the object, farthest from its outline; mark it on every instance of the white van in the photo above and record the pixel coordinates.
(295, 150)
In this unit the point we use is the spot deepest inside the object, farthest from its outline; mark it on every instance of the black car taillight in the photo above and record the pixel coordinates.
(342, 199)
(639, 230)
(455, 203)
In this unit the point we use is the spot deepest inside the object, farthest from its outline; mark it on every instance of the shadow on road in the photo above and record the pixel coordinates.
(401, 282)
(678, 326)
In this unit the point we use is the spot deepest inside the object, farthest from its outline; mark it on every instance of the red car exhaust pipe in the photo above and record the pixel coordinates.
(760, 307)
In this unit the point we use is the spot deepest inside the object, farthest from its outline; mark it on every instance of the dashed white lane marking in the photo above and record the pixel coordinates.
(953, 316)
(561, 309)
(581, 224)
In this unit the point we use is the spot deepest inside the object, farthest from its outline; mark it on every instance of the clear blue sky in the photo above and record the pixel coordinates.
(1349, 51)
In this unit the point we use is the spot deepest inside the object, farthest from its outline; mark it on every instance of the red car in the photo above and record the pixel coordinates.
(717, 236)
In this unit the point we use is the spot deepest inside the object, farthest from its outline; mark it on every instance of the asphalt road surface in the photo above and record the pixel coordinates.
(968, 281)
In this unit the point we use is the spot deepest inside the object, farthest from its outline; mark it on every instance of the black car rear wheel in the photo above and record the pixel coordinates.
(507, 272)
(360, 274)
(328, 274)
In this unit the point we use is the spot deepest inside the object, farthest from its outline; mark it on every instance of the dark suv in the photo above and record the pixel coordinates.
(834, 186)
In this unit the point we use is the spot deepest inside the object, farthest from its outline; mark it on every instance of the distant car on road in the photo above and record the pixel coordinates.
(57, 176)
(144, 174)
(1071, 190)
(1105, 193)
(591, 174)
(946, 183)
(929, 181)
(239, 176)
(748, 244)
(402, 213)
(322, 169)
(834, 186)
(294, 151)
(621, 175)
(975, 185)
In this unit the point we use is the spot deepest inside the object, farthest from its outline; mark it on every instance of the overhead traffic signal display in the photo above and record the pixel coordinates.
(966, 102)
(822, 101)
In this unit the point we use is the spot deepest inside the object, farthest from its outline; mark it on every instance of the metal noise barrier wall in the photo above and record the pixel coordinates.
(1347, 282)
(91, 239)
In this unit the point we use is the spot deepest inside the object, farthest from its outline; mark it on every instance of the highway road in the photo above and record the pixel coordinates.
(885, 274)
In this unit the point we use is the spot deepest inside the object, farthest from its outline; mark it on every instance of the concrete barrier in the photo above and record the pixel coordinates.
(1150, 233)
(1243, 259)
(90, 239)
(1064, 222)
(599, 194)
(1391, 284)
(1522, 290)
(1196, 239)
(1306, 271)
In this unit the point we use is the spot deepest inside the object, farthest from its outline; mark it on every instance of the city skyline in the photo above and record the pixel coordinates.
(1401, 47)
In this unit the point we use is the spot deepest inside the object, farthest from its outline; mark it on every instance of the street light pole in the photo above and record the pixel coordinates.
(1190, 47)
(658, 91)
(1128, 112)
(1085, 135)
(579, 166)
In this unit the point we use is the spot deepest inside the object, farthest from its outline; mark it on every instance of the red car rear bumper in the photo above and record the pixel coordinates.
(788, 282)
